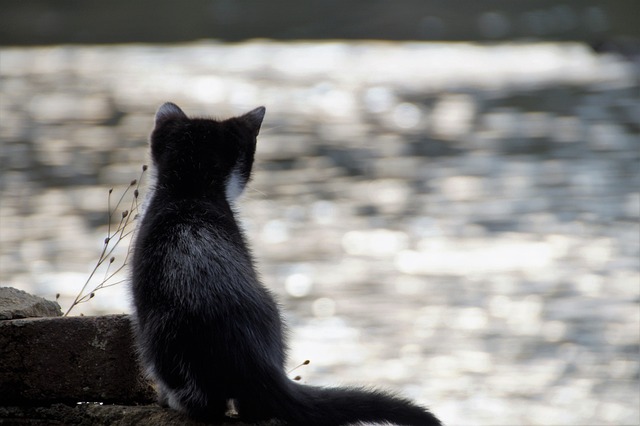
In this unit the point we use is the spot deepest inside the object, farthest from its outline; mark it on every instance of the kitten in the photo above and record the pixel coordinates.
(208, 332)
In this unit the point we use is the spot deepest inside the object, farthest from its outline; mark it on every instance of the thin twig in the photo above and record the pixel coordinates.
(112, 241)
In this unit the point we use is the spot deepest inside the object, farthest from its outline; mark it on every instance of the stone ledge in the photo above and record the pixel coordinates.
(70, 359)
(101, 415)
(16, 304)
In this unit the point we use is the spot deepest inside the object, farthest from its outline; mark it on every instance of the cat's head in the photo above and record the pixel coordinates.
(204, 157)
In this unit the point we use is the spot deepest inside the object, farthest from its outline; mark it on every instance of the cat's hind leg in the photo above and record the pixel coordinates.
(195, 403)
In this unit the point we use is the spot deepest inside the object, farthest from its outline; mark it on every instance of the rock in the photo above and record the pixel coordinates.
(16, 303)
(70, 359)
(101, 415)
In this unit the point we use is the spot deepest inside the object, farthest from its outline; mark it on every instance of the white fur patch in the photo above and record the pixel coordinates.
(152, 179)
(234, 185)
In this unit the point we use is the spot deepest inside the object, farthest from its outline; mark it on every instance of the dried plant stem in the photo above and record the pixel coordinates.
(298, 378)
(112, 241)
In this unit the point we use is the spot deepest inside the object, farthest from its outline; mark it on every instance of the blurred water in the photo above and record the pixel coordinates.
(459, 222)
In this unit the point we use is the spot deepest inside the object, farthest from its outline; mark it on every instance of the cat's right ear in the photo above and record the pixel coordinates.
(168, 111)
(253, 119)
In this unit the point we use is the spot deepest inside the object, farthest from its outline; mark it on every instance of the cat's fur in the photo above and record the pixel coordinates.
(207, 330)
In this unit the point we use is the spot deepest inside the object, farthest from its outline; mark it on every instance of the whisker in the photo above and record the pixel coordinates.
(256, 190)
(264, 130)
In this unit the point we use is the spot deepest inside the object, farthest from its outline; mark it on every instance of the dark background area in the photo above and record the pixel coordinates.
(75, 21)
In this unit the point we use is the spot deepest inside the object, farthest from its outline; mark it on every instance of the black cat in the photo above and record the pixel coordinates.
(208, 332)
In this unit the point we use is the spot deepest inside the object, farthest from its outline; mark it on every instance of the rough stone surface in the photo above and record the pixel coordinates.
(100, 415)
(69, 359)
(16, 303)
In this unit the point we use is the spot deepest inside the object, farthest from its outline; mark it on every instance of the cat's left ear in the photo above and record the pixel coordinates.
(168, 111)
(253, 119)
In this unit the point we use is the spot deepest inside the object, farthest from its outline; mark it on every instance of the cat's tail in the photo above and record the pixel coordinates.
(298, 404)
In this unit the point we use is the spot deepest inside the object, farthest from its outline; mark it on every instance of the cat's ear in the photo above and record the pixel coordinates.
(253, 119)
(167, 111)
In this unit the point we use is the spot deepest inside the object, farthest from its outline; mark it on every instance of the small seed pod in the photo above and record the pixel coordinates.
(144, 167)
(133, 182)
(125, 213)
(112, 259)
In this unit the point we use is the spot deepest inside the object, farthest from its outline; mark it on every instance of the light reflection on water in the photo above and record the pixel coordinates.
(457, 221)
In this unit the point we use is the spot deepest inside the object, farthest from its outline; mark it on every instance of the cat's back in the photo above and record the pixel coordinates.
(188, 249)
